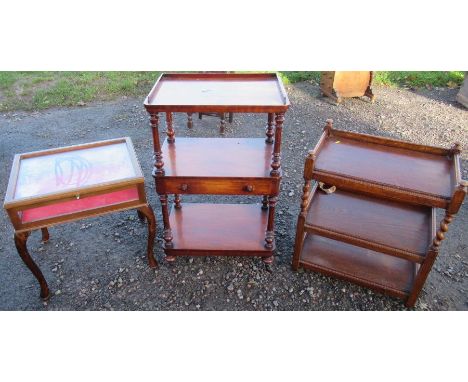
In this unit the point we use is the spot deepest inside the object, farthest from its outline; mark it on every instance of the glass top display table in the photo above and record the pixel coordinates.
(55, 186)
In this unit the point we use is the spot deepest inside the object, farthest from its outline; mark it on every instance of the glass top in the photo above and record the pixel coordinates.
(73, 169)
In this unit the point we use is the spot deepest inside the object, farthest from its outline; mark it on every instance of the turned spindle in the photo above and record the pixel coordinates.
(177, 201)
(157, 154)
(269, 129)
(276, 162)
(167, 233)
(270, 234)
(170, 128)
(189, 120)
(328, 126)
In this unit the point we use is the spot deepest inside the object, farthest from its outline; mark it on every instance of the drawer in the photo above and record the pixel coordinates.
(217, 186)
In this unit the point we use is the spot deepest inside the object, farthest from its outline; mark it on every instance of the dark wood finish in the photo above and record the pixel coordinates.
(20, 242)
(378, 228)
(234, 166)
(58, 204)
(270, 133)
(218, 93)
(375, 165)
(387, 226)
(219, 229)
(338, 85)
(217, 158)
(386, 274)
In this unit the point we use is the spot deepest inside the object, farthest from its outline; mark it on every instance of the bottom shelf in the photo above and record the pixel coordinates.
(384, 273)
(218, 229)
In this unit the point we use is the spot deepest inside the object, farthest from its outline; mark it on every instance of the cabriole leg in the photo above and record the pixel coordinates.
(148, 213)
(20, 242)
(45, 234)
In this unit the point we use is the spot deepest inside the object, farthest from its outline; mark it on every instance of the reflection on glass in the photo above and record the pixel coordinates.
(67, 170)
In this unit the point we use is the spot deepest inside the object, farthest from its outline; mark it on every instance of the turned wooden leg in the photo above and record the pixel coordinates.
(299, 242)
(269, 130)
(170, 128)
(189, 120)
(20, 242)
(167, 233)
(276, 159)
(265, 202)
(45, 234)
(270, 234)
(148, 213)
(222, 125)
(426, 266)
(177, 201)
(141, 216)
(231, 117)
(157, 154)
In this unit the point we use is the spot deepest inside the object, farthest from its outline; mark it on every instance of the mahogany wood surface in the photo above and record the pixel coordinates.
(397, 167)
(391, 227)
(217, 157)
(384, 205)
(218, 93)
(218, 229)
(387, 274)
(218, 166)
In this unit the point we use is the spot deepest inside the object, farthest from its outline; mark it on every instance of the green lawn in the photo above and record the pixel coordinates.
(41, 90)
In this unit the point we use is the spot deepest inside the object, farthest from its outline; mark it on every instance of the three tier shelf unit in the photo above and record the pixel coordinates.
(218, 166)
(378, 228)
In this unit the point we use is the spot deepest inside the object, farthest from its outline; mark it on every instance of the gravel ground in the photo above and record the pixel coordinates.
(100, 263)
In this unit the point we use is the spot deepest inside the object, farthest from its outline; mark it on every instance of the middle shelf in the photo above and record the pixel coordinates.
(223, 166)
(397, 229)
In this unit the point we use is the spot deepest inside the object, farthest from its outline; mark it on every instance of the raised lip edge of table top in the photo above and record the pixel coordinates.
(214, 108)
(389, 142)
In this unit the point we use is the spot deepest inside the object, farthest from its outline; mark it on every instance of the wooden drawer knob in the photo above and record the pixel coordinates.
(184, 187)
(249, 188)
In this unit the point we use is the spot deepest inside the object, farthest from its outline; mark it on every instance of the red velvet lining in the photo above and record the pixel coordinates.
(78, 205)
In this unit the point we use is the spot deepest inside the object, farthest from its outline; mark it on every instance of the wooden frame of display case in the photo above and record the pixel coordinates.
(71, 203)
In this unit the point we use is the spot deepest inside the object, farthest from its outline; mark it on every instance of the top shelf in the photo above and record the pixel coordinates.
(218, 92)
(421, 174)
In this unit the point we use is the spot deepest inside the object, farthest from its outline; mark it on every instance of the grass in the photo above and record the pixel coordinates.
(41, 90)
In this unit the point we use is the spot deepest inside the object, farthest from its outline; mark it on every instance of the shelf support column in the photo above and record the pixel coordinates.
(167, 233)
(157, 154)
(189, 120)
(426, 266)
(270, 234)
(222, 124)
(269, 130)
(170, 128)
(276, 160)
